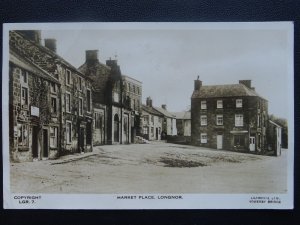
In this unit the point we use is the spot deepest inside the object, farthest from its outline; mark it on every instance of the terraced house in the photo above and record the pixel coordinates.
(50, 101)
(230, 117)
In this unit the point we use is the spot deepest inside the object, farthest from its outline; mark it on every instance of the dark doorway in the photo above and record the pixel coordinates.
(116, 128)
(89, 133)
(45, 143)
(81, 140)
(35, 147)
(156, 134)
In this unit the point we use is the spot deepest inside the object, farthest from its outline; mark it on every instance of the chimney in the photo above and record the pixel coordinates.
(91, 56)
(33, 35)
(164, 106)
(111, 62)
(50, 43)
(247, 83)
(197, 84)
(149, 102)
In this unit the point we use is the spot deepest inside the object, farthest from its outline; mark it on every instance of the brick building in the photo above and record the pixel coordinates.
(58, 98)
(231, 117)
(152, 121)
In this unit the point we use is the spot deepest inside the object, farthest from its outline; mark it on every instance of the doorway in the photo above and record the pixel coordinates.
(116, 128)
(252, 144)
(35, 147)
(156, 134)
(219, 141)
(45, 143)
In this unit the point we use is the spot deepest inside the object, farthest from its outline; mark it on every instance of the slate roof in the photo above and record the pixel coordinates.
(164, 112)
(30, 66)
(151, 110)
(229, 90)
(185, 115)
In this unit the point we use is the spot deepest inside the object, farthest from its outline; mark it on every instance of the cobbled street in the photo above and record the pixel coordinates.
(153, 168)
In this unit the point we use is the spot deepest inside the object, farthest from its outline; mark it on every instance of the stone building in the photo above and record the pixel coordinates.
(152, 121)
(133, 94)
(67, 92)
(169, 122)
(110, 100)
(183, 123)
(231, 117)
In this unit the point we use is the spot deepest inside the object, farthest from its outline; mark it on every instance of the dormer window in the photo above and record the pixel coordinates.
(239, 103)
(203, 105)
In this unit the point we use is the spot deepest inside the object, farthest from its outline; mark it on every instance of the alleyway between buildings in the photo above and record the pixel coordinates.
(152, 168)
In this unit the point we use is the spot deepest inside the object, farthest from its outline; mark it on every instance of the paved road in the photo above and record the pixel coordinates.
(153, 168)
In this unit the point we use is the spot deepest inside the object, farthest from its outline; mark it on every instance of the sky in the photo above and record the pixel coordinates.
(167, 61)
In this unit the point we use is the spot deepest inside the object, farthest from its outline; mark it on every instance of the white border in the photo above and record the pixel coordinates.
(104, 201)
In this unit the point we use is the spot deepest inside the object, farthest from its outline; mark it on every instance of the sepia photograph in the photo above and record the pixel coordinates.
(148, 115)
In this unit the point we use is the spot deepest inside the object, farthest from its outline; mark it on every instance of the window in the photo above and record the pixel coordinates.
(219, 104)
(138, 104)
(89, 100)
(68, 77)
(24, 96)
(258, 120)
(53, 137)
(203, 120)
(152, 130)
(138, 90)
(68, 102)
(152, 119)
(239, 103)
(22, 135)
(145, 130)
(203, 105)
(80, 83)
(69, 132)
(203, 138)
(239, 120)
(219, 120)
(133, 89)
(129, 87)
(24, 76)
(80, 106)
(53, 105)
(239, 140)
(53, 88)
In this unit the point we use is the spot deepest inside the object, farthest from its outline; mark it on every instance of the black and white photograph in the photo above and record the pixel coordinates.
(148, 115)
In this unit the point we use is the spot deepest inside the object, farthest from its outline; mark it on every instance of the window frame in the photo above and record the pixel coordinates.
(203, 138)
(68, 109)
(201, 120)
(55, 136)
(239, 103)
(217, 120)
(52, 108)
(68, 77)
(219, 104)
(89, 97)
(239, 120)
(203, 104)
(68, 134)
(26, 101)
(23, 129)
(80, 106)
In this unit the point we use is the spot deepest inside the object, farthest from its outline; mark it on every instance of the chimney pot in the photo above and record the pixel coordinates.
(164, 106)
(149, 102)
(50, 44)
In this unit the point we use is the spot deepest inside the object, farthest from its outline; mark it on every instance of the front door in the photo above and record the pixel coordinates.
(156, 134)
(35, 147)
(45, 143)
(219, 141)
(252, 144)
(81, 140)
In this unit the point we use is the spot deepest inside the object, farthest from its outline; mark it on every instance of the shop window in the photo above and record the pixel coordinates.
(239, 140)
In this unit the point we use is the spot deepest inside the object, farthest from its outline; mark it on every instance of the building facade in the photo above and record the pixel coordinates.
(230, 117)
(169, 122)
(274, 133)
(57, 97)
(183, 123)
(151, 121)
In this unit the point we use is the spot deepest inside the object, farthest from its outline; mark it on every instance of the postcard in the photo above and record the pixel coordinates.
(148, 115)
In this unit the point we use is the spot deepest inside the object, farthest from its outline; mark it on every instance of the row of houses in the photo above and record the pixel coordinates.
(57, 109)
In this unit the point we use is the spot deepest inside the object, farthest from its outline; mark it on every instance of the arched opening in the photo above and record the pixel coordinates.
(116, 128)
